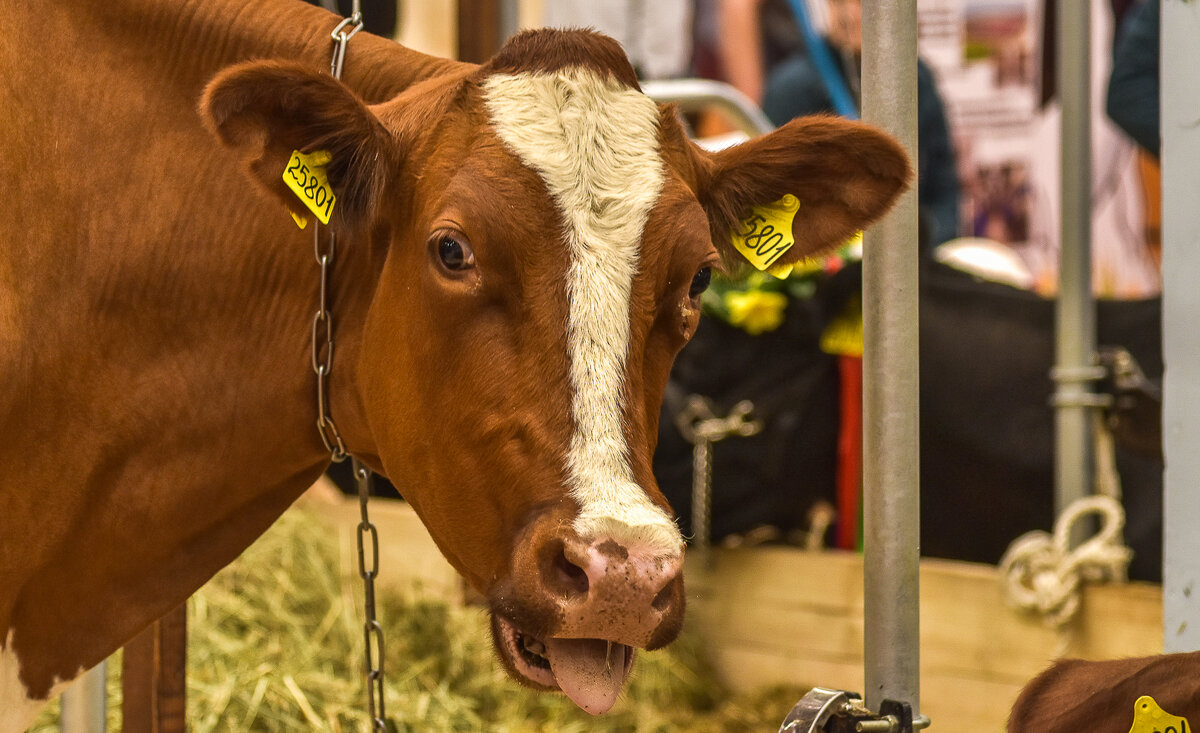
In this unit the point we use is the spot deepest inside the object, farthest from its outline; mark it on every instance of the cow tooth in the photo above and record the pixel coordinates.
(535, 646)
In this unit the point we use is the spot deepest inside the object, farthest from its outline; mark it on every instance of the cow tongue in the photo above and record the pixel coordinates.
(590, 671)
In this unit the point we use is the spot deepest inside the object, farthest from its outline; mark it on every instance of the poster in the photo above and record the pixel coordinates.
(986, 56)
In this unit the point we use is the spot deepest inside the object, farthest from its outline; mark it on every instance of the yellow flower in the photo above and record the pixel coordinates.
(755, 311)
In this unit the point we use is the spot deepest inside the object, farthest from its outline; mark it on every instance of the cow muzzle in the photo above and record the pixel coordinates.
(575, 610)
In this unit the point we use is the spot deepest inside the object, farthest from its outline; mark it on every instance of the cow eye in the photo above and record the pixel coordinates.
(700, 282)
(454, 253)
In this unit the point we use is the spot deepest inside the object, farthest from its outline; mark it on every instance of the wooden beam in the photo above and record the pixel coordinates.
(154, 677)
(478, 30)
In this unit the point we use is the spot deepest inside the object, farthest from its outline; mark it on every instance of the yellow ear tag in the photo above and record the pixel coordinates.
(305, 176)
(1148, 717)
(781, 272)
(300, 219)
(767, 233)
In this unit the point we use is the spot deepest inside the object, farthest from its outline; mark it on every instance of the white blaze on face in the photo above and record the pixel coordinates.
(594, 142)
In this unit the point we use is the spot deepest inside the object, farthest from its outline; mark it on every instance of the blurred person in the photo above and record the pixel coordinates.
(1132, 103)
(796, 88)
(752, 38)
(1133, 87)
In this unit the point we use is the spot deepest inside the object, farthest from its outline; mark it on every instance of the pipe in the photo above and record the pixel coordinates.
(1180, 125)
(1075, 344)
(693, 95)
(891, 496)
(83, 703)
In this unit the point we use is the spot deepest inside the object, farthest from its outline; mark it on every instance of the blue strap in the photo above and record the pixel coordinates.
(822, 58)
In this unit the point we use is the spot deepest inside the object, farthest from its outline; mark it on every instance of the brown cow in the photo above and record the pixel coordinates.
(1098, 697)
(522, 247)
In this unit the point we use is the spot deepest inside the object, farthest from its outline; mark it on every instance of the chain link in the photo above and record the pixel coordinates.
(341, 35)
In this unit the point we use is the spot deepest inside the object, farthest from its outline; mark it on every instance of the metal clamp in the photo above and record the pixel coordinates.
(837, 711)
(1077, 377)
(698, 423)
(815, 709)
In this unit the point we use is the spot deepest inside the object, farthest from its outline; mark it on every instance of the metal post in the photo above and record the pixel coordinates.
(83, 703)
(1181, 339)
(1076, 320)
(891, 497)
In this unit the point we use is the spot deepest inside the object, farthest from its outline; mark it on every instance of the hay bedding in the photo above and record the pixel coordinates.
(275, 645)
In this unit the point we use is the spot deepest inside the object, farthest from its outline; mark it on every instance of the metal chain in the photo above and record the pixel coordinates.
(322, 350)
(341, 35)
(702, 495)
(701, 427)
(368, 546)
(322, 339)
(322, 364)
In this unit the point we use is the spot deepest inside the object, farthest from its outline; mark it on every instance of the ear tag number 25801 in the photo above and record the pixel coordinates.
(767, 233)
(305, 176)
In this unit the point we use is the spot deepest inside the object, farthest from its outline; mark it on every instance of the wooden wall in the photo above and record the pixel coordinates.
(780, 615)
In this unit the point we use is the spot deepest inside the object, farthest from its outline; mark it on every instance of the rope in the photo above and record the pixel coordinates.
(1042, 575)
(1039, 571)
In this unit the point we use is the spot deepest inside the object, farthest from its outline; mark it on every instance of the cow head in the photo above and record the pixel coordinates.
(546, 231)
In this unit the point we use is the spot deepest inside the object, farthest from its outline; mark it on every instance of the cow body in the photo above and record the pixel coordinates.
(1075, 695)
(521, 248)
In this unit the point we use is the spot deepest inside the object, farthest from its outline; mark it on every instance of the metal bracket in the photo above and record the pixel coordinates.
(1066, 377)
(815, 709)
(837, 711)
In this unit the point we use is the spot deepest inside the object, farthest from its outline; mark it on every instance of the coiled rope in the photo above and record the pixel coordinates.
(1042, 574)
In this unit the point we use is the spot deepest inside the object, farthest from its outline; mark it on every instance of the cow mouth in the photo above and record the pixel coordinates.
(591, 672)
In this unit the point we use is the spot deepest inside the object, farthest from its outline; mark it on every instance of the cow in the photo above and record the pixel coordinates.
(1073, 694)
(521, 249)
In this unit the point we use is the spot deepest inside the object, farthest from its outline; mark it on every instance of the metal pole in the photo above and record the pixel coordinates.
(83, 703)
(891, 497)
(1181, 339)
(1076, 320)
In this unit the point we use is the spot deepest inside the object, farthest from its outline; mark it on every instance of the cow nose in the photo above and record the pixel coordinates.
(623, 593)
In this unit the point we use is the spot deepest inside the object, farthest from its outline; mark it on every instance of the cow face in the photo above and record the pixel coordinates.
(547, 232)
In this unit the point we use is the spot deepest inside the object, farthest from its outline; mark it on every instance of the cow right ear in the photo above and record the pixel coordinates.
(842, 174)
(265, 110)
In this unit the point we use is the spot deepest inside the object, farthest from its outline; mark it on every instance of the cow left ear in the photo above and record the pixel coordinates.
(264, 110)
(845, 174)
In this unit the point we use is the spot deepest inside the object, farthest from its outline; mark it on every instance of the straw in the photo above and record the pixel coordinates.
(275, 644)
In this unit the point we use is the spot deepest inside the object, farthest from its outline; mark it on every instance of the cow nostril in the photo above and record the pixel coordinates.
(663, 598)
(570, 576)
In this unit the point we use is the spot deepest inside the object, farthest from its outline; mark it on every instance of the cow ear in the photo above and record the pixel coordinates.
(846, 174)
(264, 110)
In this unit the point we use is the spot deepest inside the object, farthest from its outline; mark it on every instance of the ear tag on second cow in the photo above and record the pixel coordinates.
(1148, 717)
(767, 233)
(305, 176)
